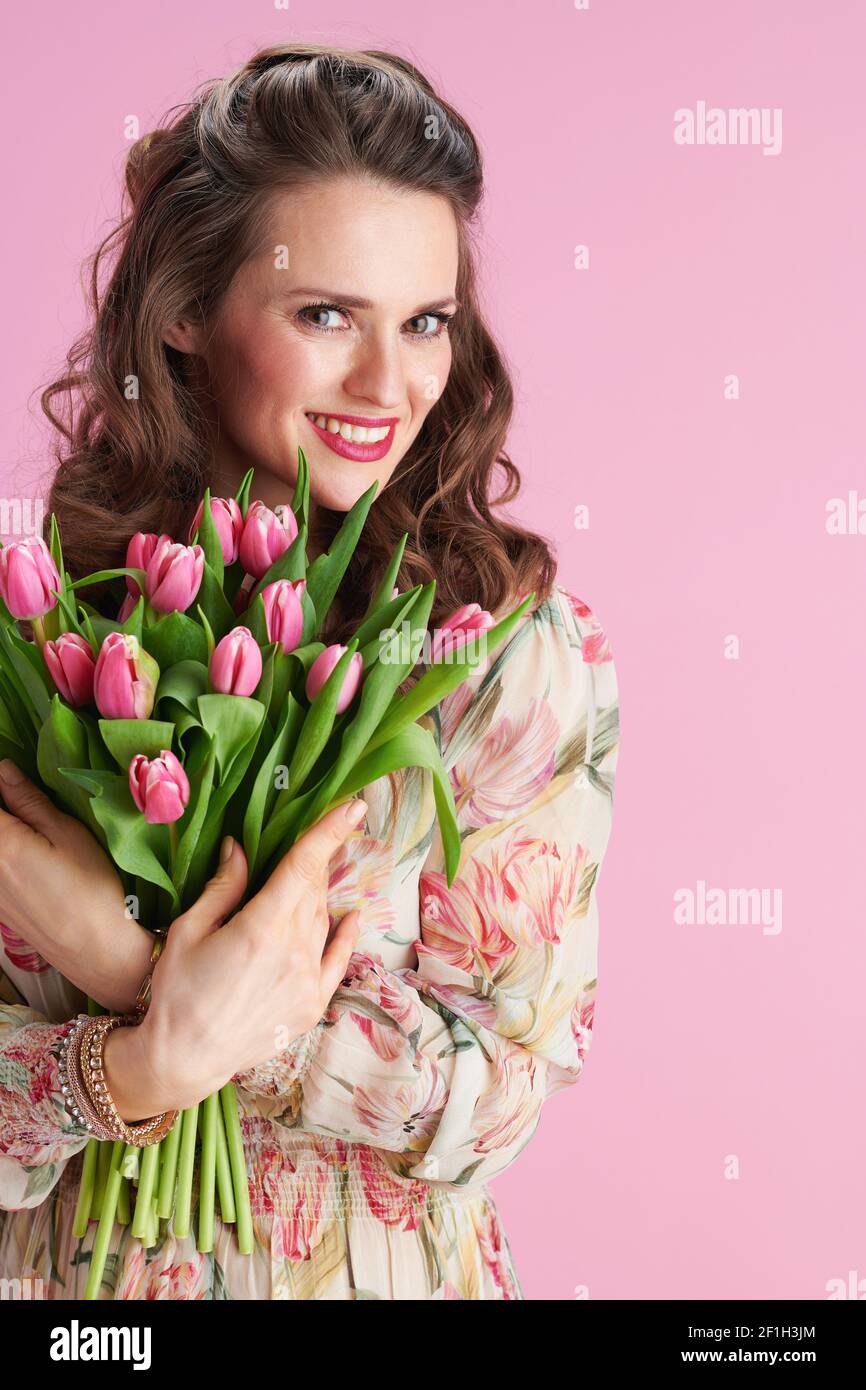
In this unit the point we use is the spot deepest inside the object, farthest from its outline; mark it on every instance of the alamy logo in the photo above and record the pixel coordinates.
(76, 1343)
(732, 906)
(711, 125)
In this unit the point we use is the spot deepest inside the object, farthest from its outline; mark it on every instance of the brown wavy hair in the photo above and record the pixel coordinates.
(197, 185)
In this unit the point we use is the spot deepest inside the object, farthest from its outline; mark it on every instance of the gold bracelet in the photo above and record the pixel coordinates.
(92, 1072)
(142, 999)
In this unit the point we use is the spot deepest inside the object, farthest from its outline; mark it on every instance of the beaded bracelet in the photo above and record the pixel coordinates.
(85, 1089)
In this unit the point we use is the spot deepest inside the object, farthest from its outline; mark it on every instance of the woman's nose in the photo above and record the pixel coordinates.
(377, 373)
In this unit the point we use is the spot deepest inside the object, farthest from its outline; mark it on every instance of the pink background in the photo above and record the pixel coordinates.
(707, 518)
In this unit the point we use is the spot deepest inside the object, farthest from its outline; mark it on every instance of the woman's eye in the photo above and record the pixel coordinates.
(322, 311)
(430, 318)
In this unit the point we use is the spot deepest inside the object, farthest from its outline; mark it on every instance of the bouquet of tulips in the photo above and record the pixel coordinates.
(209, 706)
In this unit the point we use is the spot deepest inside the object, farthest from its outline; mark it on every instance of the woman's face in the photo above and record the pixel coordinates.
(385, 265)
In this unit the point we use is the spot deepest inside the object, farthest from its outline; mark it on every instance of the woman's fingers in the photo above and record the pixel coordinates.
(306, 863)
(221, 895)
(335, 957)
(25, 800)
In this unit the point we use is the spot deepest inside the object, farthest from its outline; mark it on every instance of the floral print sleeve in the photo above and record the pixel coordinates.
(37, 1135)
(443, 1064)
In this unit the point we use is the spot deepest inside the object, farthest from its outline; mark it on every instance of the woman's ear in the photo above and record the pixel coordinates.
(182, 335)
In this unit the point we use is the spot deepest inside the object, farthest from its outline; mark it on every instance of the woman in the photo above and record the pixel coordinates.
(297, 261)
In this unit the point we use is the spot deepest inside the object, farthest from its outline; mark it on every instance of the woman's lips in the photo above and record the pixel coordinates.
(346, 448)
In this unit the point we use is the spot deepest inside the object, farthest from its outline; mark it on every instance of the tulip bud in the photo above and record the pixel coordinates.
(139, 553)
(284, 614)
(322, 668)
(27, 575)
(228, 521)
(455, 631)
(125, 679)
(266, 535)
(236, 663)
(127, 608)
(71, 665)
(160, 787)
(174, 575)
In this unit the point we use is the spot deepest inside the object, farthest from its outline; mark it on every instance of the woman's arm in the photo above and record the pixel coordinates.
(62, 897)
(37, 1135)
(447, 1065)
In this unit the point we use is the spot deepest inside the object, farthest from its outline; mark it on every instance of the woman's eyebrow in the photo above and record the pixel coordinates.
(353, 301)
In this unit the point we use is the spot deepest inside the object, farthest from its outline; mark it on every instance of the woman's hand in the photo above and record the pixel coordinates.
(61, 893)
(224, 998)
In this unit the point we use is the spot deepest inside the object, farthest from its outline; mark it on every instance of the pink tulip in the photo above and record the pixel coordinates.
(174, 574)
(139, 553)
(322, 668)
(125, 679)
(284, 614)
(229, 524)
(266, 535)
(71, 665)
(464, 624)
(236, 664)
(160, 787)
(27, 575)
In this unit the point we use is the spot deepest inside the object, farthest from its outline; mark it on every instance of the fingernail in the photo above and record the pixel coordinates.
(226, 848)
(10, 772)
(356, 811)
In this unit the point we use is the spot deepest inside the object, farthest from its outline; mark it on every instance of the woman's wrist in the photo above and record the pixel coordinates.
(137, 1086)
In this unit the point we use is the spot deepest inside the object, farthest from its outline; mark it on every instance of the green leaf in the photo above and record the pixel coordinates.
(175, 638)
(326, 571)
(382, 594)
(134, 624)
(377, 691)
(388, 616)
(311, 741)
(216, 607)
(94, 781)
(124, 738)
(231, 721)
(23, 662)
(242, 496)
(63, 743)
(301, 495)
(208, 538)
(99, 576)
(134, 844)
(264, 791)
(190, 826)
(413, 747)
(184, 682)
(438, 681)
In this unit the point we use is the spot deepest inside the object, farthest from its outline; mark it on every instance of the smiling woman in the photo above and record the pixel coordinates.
(285, 366)
(370, 1138)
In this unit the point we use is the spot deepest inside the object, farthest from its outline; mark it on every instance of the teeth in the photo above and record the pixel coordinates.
(356, 434)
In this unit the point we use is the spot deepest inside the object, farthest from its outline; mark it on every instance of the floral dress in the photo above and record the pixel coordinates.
(371, 1140)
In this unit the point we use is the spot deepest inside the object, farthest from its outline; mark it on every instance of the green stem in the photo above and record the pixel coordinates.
(103, 1163)
(99, 1252)
(146, 1175)
(172, 848)
(171, 1147)
(207, 1172)
(237, 1157)
(38, 627)
(84, 1205)
(183, 1202)
(228, 1211)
